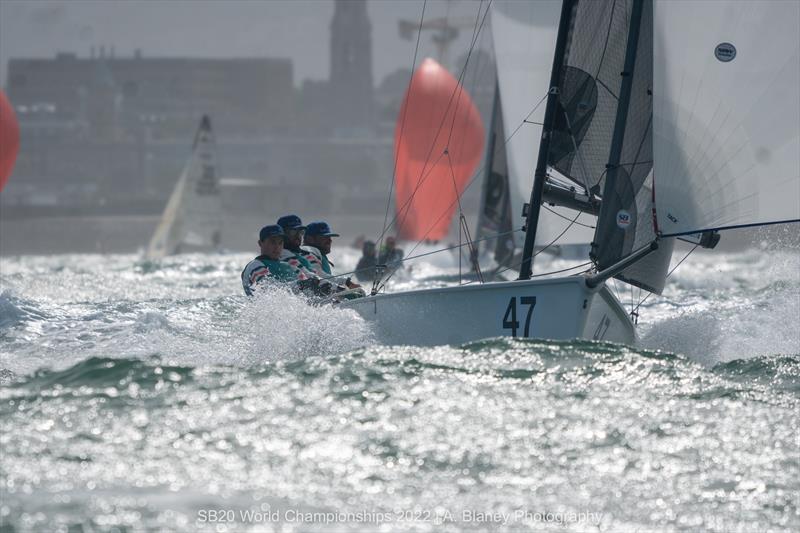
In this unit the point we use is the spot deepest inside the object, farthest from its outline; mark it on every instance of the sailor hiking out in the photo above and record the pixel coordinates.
(268, 265)
(292, 253)
(282, 260)
(317, 246)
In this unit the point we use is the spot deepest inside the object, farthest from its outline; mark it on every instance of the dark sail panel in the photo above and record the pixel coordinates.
(495, 213)
(589, 91)
(626, 219)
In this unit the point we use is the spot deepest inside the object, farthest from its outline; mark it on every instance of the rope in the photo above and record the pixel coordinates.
(668, 275)
(551, 243)
(587, 263)
(478, 174)
(567, 218)
(490, 237)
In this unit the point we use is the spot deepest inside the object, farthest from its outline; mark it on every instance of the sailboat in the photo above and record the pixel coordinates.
(192, 219)
(671, 120)
(437, 116)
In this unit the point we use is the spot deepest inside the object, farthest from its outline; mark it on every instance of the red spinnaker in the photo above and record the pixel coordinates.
(9, 139)
(438, 148)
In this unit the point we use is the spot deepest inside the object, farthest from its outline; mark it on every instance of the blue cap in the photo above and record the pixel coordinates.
(291, 222)
(270, 231)
(320, 228)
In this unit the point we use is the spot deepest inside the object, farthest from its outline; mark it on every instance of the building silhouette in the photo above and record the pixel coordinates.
(112, 96)
(351, 84)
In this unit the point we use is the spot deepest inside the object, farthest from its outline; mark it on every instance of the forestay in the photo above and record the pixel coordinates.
(726, 113)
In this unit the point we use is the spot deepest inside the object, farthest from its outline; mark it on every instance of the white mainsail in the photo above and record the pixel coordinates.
(726, 113)
(524, 35)
(192, 220)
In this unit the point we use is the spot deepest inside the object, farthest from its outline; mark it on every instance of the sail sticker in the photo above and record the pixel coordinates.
(725, 52)
(623, 219)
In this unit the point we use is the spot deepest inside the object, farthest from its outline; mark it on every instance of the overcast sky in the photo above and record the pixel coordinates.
(299, 30)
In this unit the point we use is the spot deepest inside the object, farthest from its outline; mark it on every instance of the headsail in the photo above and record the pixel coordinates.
(626, 220)
(589, 91)
(192, 220)
(726, 114)
(589, 98)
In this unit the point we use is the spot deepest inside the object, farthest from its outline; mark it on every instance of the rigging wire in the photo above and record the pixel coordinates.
(587, 263)
(551, 243)
(635, 309)
(477, 174)
(453, 247)
(462, 225)
(567, 218)
(402, 124)
(480, 172)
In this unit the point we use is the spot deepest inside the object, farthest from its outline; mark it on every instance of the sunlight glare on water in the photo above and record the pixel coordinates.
(141, 395)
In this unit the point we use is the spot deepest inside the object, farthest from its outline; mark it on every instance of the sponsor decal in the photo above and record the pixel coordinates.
(725, 52)
(624, 219)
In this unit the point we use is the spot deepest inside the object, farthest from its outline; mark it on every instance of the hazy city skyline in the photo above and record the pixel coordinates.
(298, 30)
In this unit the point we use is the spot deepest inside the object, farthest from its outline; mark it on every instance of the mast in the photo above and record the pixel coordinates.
(539, 177)
(606, 217)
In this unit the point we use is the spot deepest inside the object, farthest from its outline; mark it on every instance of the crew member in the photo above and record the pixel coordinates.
(268, 265)
(317, 243)
(390, 257)
(292, 252)
(365, 269)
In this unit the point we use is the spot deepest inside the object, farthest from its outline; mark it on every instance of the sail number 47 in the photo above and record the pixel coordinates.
(510, 318)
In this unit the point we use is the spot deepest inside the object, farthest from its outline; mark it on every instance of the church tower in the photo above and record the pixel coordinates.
(351, 69)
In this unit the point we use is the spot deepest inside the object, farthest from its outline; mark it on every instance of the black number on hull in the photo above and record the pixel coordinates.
(530, 301)
(511, 311)
(510, 318)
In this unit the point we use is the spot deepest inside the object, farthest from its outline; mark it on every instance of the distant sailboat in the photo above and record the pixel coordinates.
(437, 112)
(192, 220)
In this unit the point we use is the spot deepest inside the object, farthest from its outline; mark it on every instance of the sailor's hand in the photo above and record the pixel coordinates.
(351, 285)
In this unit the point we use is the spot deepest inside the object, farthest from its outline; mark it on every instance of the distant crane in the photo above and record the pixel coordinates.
(446, 31)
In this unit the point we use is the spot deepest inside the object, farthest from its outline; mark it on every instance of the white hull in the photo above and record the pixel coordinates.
(555, 308)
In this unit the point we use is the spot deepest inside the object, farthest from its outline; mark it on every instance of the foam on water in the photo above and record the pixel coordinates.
(182, 310)
(722, 307)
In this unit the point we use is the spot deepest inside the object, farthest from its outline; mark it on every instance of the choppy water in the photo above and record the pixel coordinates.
(139, 396)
